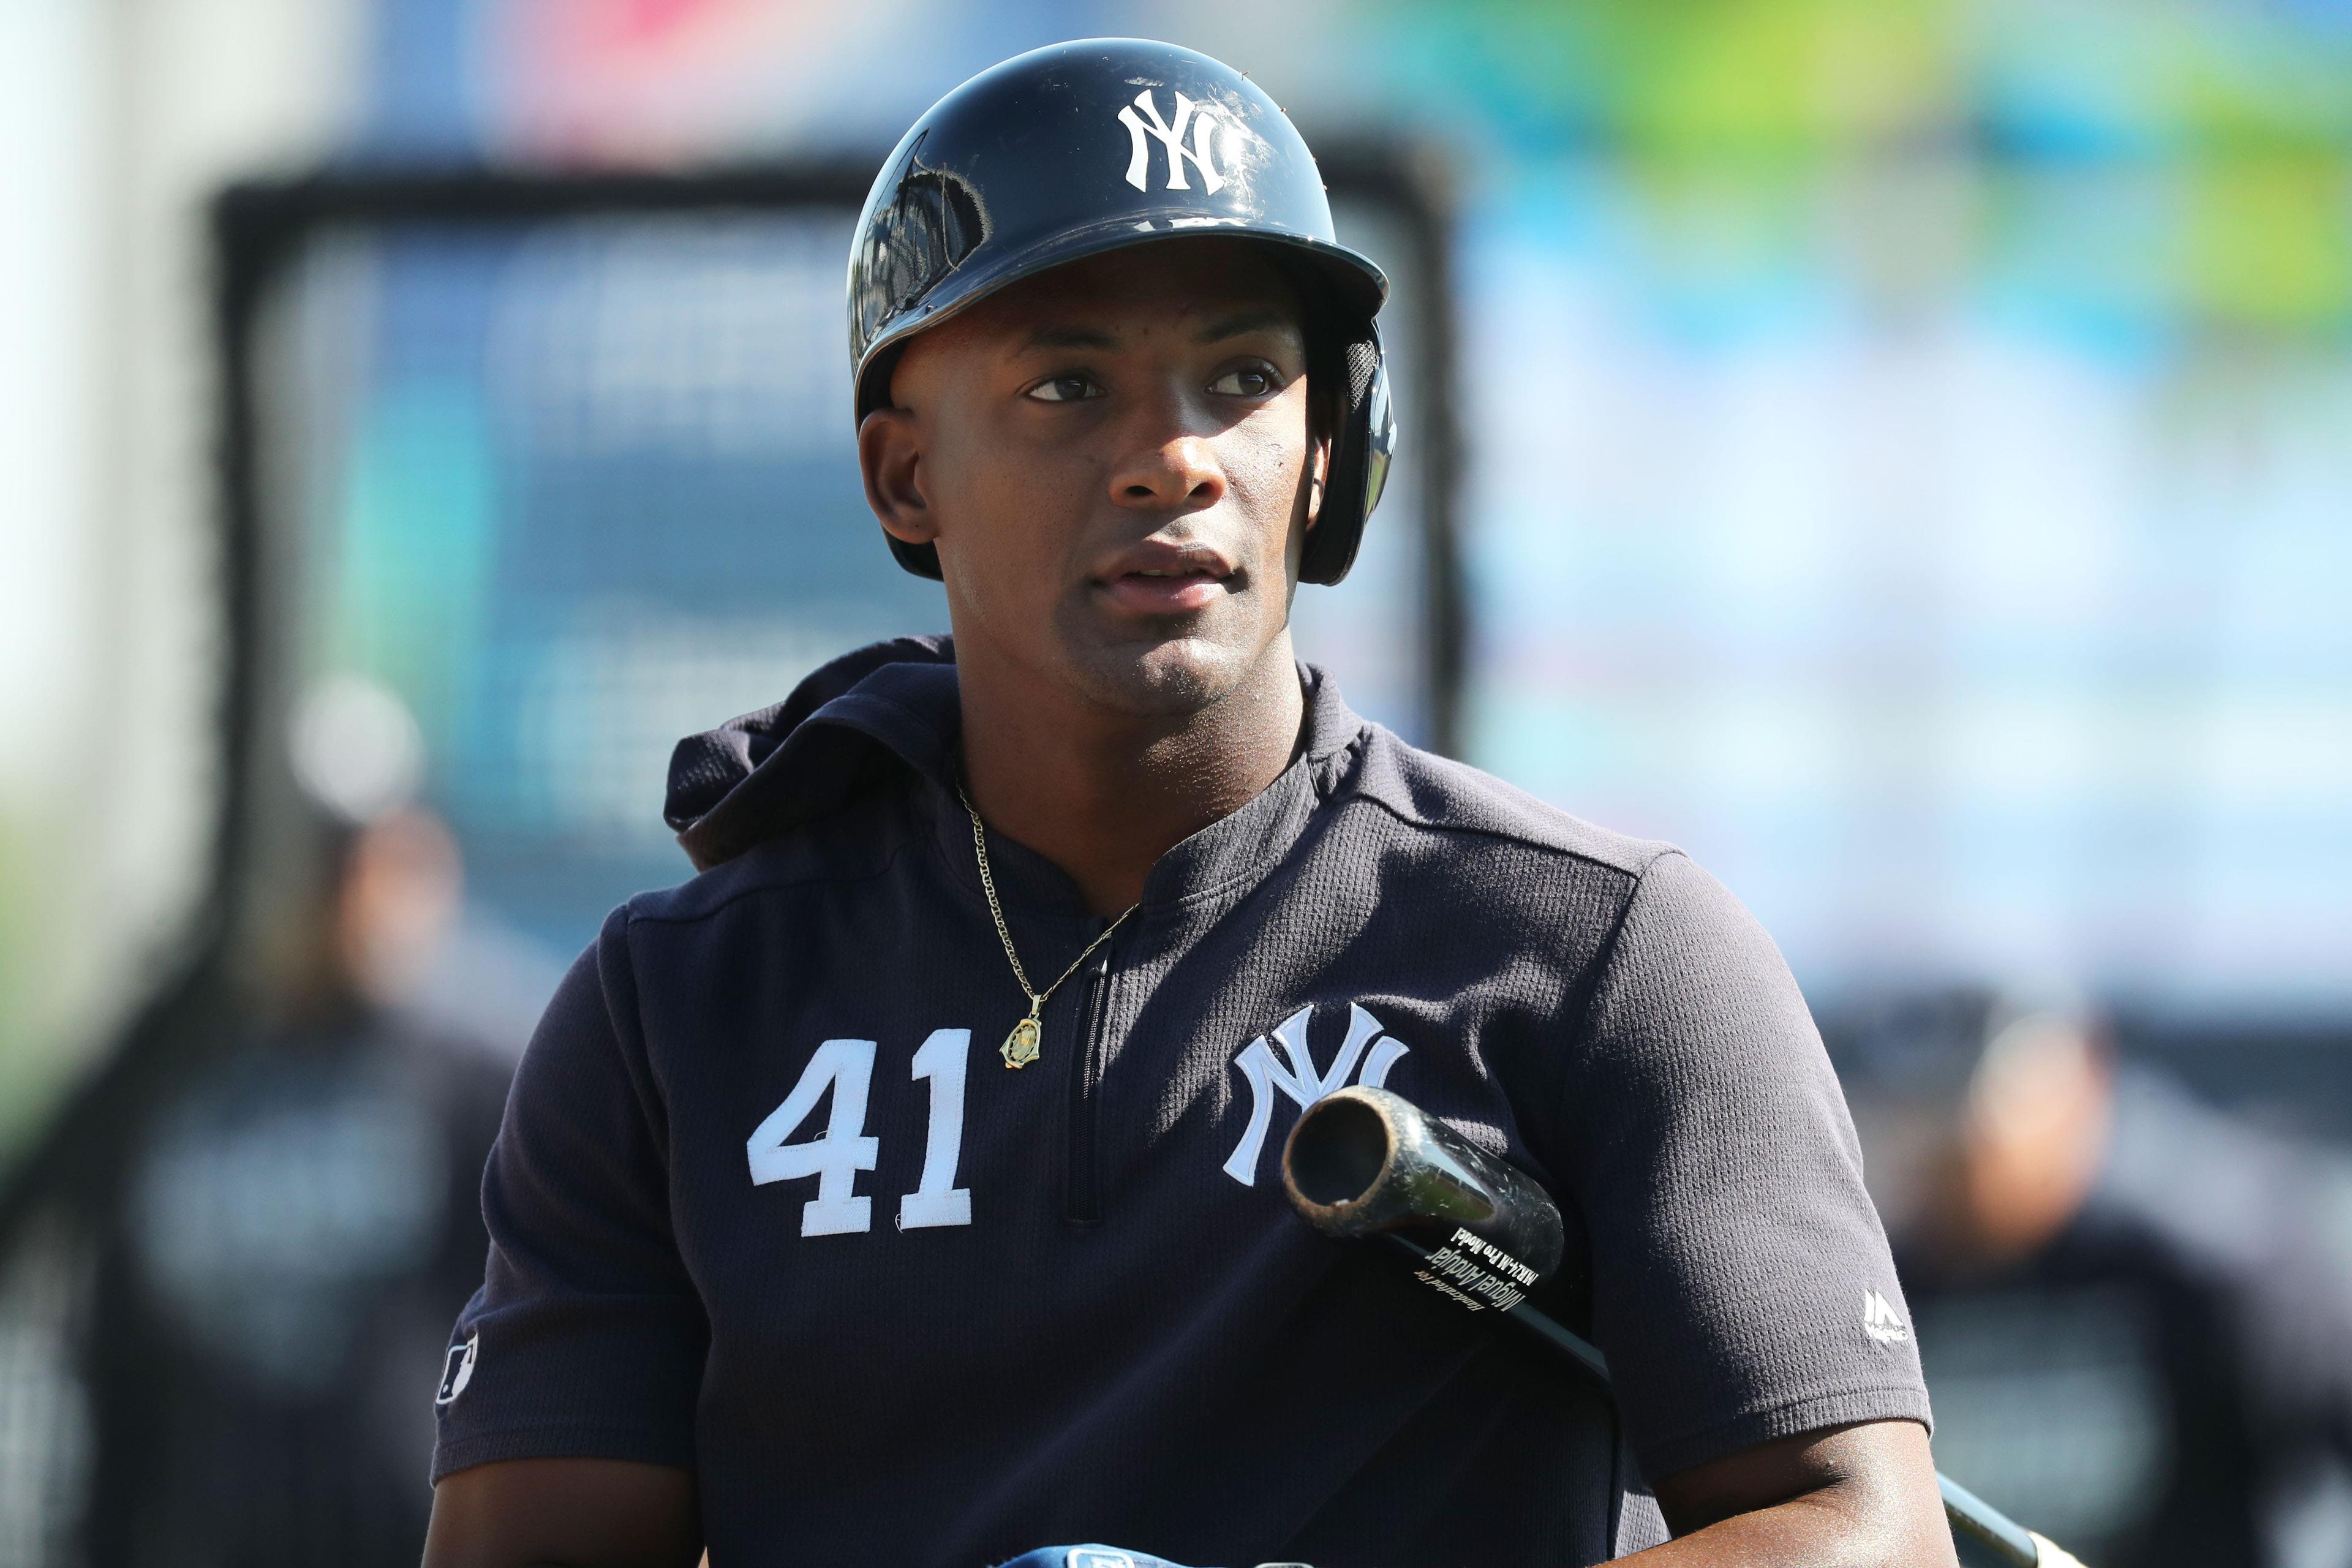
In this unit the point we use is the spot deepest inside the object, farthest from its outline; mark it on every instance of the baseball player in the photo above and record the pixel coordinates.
(902, 1189)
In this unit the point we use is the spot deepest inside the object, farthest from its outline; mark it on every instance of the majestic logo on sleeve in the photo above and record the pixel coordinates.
(1294, 1074)
(1204, 123)
(1880, 1321)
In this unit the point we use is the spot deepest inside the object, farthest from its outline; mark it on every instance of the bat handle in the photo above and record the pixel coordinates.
(1978, 1519)
(1969, 1514)
(1532, 1318)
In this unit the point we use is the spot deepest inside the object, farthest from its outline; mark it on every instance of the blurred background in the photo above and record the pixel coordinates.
(1900, 450)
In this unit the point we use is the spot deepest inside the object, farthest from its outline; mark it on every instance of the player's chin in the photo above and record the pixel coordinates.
(1176, 668)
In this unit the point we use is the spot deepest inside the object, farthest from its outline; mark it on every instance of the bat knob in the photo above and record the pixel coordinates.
(1363, 1162)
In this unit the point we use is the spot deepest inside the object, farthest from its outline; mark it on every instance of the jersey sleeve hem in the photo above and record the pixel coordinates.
(1887, 1402)
(570, 1440)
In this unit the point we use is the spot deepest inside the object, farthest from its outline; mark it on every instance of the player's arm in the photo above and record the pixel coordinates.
(1860, 1495)
(1741, 1284)
(566, 1410)
(564, 1513)
(1854, 1497)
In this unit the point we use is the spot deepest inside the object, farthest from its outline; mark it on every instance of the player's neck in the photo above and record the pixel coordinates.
(1104, 794)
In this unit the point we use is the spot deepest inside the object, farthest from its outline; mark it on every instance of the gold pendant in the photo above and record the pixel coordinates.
(1020, 1047)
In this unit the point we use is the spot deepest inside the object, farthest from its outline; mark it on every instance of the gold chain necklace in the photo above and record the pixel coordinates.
(1020, 1047)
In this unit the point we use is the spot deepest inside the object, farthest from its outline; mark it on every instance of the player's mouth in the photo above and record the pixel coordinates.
(1159, 578)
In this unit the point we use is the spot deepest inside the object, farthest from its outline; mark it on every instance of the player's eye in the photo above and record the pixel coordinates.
(1247, 380)
(1065, 389)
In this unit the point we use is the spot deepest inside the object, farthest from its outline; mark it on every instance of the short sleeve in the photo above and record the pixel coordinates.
(1742, 1285)
(587, 1339)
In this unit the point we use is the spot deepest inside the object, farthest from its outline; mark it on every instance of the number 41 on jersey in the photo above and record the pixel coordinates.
(843, 1147)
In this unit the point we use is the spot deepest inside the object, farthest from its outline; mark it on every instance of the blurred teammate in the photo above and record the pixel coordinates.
(901, 1190)
(2135, 1312)
(300, 1215)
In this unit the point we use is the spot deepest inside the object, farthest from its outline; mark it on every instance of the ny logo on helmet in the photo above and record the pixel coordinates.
(1204, 123)
(1298, 1079)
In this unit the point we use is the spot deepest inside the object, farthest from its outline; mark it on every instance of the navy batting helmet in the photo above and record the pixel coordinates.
(1081, 148)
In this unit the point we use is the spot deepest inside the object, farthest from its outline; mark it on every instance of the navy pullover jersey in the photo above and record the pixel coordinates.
(768, 1205)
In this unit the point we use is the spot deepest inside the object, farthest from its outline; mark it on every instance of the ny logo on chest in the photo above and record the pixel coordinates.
(841, 1148)
(1294, 1074)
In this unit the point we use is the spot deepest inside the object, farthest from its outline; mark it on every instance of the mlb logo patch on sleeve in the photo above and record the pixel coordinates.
(457, 1371)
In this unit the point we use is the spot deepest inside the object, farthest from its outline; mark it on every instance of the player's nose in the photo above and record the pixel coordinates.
(1169, 463)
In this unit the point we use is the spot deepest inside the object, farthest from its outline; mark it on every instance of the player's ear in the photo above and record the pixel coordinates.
(1318, 454)
(890, 459)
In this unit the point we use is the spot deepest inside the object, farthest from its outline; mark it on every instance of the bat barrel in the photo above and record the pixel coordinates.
(1364, 1162)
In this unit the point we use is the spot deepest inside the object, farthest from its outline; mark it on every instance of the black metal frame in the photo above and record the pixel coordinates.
(258, 228)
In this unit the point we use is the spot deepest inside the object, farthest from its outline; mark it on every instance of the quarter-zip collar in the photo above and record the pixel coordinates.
(893, 708)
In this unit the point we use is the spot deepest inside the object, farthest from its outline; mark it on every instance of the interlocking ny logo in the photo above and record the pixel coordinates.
(1204, 124)
(1298, 1079)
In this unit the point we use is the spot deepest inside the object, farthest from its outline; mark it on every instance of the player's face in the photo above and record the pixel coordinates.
(1116, 462)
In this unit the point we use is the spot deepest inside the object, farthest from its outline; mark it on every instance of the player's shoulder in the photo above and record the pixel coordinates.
(1472, 808)
(856, 844)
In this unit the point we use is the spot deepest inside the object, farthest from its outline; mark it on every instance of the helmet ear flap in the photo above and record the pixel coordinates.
(922, 560)
(1363, 438)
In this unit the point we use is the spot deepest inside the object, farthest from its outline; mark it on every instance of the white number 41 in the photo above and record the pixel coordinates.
(843, 1147)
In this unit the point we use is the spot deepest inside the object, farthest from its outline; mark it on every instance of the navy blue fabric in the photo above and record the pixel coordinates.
(1134, 1339)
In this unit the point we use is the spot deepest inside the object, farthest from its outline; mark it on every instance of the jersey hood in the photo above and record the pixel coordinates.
(872, 717)
(848, 724)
